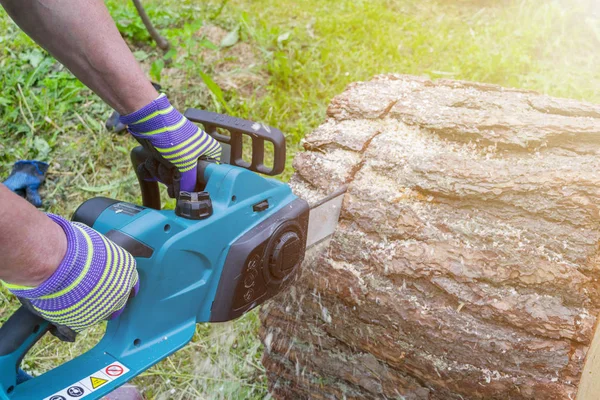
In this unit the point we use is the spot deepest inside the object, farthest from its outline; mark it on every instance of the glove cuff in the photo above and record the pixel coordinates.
(36, 166)
(160, 103)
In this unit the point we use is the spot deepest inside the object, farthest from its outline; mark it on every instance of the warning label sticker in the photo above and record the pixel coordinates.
(97, 382)
(113, 370)
(90, 384)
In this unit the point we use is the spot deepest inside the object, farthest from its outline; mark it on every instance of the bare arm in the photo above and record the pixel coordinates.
(31, 244)
(82, 35)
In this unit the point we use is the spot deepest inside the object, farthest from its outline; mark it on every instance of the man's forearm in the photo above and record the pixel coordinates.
(30, 243)
(82, 35)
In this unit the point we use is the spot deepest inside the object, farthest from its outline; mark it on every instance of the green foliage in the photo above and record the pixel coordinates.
(130, 24)
(216, 92)
(308, 52)
(37, 92)
(156, 69)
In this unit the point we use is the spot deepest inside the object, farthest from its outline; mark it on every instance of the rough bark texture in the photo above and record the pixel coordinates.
(465, 265)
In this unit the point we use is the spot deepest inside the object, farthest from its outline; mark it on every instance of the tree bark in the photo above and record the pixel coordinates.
(465, 264)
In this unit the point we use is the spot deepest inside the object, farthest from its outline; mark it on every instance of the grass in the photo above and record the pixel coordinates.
(281, 62)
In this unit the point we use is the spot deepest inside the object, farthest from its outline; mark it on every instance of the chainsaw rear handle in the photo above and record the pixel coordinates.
(17, 329)
(17, 335)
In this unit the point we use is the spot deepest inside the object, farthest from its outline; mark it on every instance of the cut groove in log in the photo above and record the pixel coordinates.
(466, 262)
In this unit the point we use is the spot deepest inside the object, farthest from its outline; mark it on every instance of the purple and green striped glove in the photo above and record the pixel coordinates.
(178, 142)
(92, 283)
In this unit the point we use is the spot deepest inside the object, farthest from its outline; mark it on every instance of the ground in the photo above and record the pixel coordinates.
(277, 62)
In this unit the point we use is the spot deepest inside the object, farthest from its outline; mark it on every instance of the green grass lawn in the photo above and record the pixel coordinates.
(278, 62)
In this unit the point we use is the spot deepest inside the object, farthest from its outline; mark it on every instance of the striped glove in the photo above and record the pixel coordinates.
(92, 283)
(177, 141)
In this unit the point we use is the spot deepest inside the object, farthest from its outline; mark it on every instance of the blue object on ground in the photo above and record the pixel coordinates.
(25, 180)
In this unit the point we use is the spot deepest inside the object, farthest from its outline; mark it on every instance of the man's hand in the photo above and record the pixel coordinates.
(177, 145)
(92, 283)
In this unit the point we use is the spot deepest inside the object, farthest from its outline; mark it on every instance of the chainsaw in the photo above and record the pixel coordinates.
(221, 252)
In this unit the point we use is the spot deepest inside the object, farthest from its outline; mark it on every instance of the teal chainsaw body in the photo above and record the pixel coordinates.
(222, 252)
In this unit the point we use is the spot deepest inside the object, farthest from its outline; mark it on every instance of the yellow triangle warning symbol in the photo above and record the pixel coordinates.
(97, 382)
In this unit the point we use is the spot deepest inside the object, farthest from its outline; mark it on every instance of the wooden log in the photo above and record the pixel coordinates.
(466, 261)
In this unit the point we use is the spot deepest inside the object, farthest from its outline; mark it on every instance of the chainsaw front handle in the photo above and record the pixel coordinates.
(233, 145)
(233, 150)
